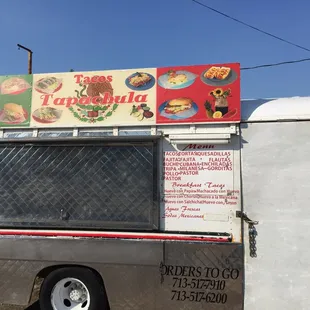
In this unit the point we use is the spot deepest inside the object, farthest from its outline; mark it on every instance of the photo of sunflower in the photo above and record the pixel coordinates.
(220, 93)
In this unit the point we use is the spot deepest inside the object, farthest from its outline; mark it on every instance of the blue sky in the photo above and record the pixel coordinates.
(120, 34)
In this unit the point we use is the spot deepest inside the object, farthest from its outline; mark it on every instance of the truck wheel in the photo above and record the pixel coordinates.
(72, 288)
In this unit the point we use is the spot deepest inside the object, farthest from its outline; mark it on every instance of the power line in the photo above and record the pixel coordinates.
(276, 64)
(252, 27)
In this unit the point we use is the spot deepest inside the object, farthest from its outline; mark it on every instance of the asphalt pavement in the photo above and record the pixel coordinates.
(34, 306)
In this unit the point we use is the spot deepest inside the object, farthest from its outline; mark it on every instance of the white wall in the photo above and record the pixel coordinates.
(276, 191)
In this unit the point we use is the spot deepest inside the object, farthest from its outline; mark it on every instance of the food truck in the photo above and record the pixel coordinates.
(132, 189)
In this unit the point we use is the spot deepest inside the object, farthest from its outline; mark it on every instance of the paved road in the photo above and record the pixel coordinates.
(34, 306)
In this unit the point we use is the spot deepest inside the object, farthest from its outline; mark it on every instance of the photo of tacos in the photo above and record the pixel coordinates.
(179, 108)
(14, 86)
(46, 115)
(13, 113)
(48, 85)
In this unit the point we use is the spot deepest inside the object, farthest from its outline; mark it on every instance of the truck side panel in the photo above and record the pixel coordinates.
(23, 258)
(155, 275)
(276, 191)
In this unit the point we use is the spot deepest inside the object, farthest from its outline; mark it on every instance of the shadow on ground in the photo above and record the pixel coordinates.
(34, 306)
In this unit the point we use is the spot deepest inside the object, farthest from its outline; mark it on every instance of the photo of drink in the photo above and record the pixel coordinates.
(220, 107)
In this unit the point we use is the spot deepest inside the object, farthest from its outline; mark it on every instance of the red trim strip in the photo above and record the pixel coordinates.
(112, 236)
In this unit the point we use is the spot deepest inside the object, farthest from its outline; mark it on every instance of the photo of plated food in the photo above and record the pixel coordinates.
(46, 115)
(13, 113)
(14, 86)
(141, 112)
(178, 109)
(176, 79)
(218, 76)
(140, 81)
(219, 73)
(48, 85)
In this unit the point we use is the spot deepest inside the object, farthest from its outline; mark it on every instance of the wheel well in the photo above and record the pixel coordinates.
(47, 270)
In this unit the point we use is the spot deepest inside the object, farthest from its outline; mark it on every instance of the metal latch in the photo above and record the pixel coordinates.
(252, 231)
(64, 215)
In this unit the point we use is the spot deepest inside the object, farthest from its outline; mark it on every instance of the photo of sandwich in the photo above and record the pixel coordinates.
(48, 85)
(13, 113)
(218, 76)
(179, 108)
(179, 105)
(140, 81)
(14, 86)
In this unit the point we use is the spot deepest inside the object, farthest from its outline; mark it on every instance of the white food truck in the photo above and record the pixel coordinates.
(127, 190)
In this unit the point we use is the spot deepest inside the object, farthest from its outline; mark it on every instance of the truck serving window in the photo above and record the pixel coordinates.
(93, 186)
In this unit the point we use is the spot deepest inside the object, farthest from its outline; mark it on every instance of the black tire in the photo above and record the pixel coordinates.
(98, 298)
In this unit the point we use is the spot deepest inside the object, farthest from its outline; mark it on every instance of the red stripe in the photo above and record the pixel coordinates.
(112, 236)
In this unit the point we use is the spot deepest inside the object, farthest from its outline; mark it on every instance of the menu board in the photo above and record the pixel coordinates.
(201, 188)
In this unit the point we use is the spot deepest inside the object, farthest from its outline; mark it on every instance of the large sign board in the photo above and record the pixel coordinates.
(135, 97)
